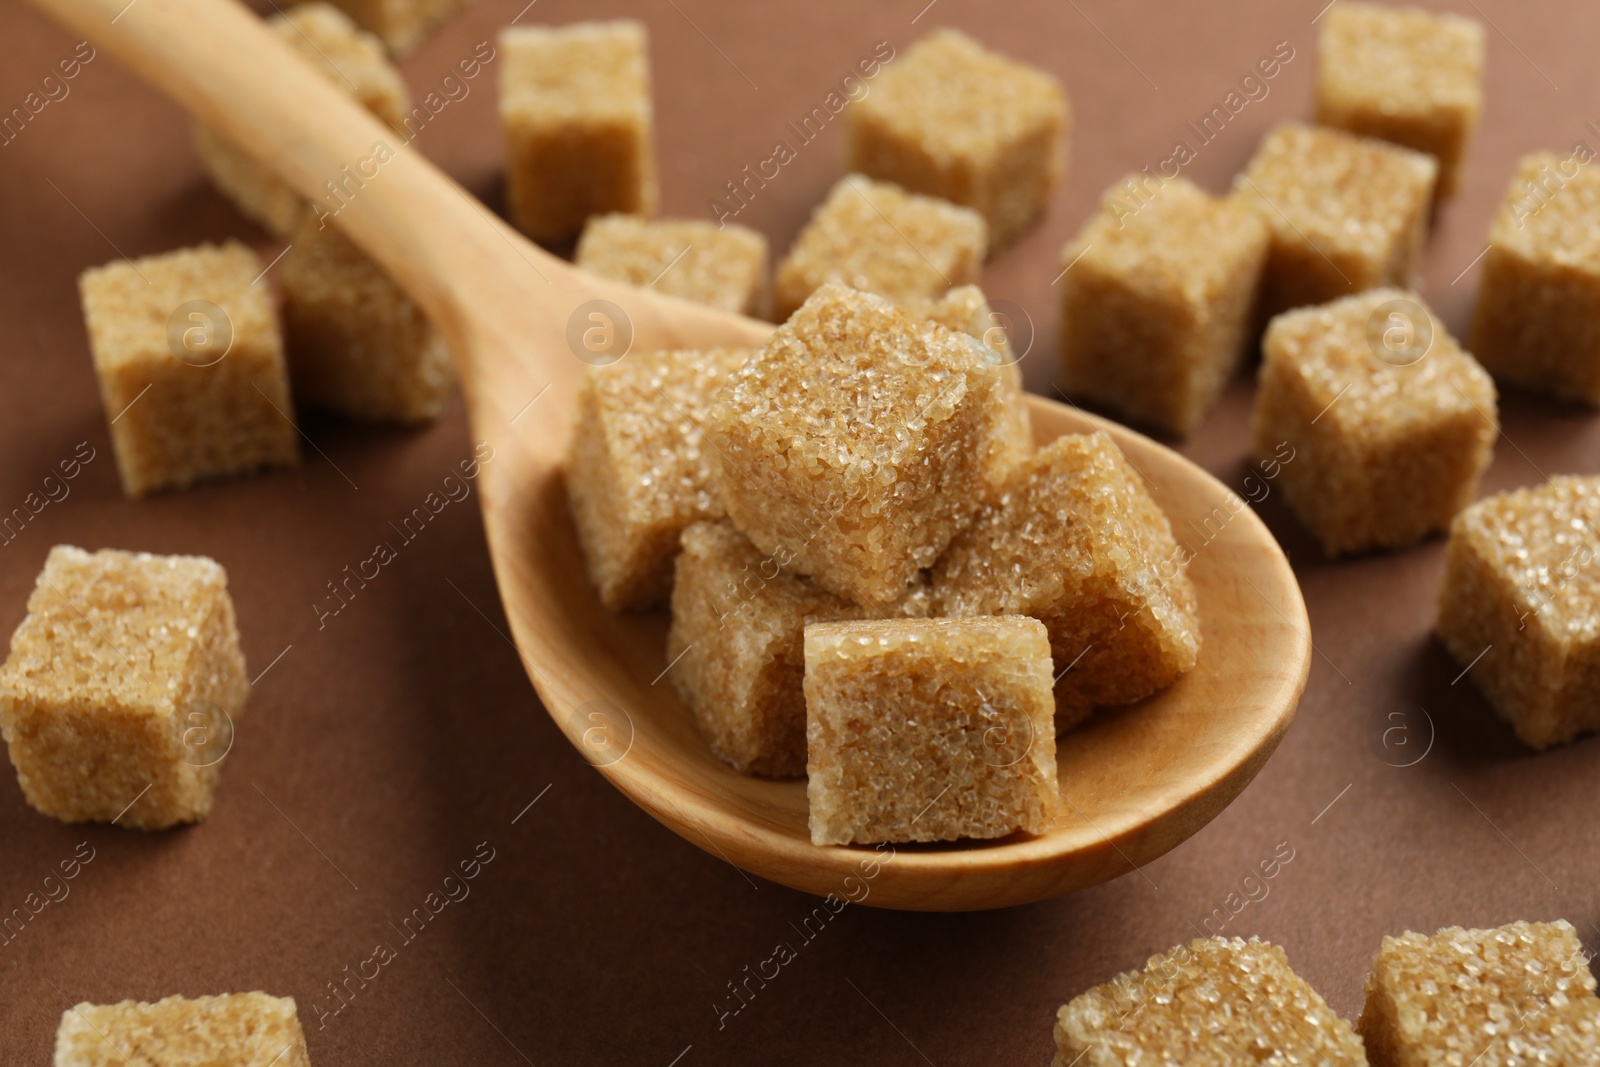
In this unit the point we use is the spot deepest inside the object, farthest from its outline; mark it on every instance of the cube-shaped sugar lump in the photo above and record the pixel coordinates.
(357, 345)
(1075, 540)
(723, 266)
(955, 120)
(1402, 75)
(1518, 994)
(349, 58)
(124, 678)
(1215, 1002)
(191, 368)
(1347, 213)
(877, 237)
(965, 309)
(1520, 605)
(859, 441)
(1537, 322)
(1156, 301)
(737, 646)
(403, 24)
(234, 1028)
(576, 110)
(1388, 421)
(639, 469)
(929, 729)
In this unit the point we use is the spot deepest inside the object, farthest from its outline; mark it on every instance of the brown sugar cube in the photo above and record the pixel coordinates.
(235, 1028)
(639, 469)
(350, 59)
(1518, 994)
(1389, 423)
(357, 345)
(1403, 75)
(957, 121)
(1216, 1002)
(575, 106)
(859, 441)
(1520, 606)
(966, 310)
(1156, 301)
(1075, 540)
(928, 729)
(1537, 323)
(723, 266)
(737, 646)
(879, 238)
(191, 368)
(1347, 213)
(403, 24)
(123, 681)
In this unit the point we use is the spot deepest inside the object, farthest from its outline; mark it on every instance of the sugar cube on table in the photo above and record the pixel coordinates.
(1518, 994)
(1215, 1002)
(859, 441)
(736, 648)
(1156, 301)
(403, 24)
(639, 469)
(1537, 321)
(955, 120)
(356, 344)
(190, 361)
(1075, 540)
(965, 309)
(723, 266)
(124, 678)
(1520, 606)
(349, 58)
(578, 119)
(928, 729)
(877, 237)
(1347, 213)
(1388, 422)
(235, 1028)
(1403, 75)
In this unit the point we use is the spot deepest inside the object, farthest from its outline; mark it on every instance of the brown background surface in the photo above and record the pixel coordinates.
(382, 749)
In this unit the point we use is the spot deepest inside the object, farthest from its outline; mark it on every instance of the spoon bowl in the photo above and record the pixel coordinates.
(1134, 781)
(524, 326)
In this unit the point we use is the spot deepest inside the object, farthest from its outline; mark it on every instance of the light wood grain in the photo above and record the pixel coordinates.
(1135, 781)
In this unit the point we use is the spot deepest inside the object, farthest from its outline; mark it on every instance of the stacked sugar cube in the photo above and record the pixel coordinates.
(1518, 994)
(820, 514)
(846, 514)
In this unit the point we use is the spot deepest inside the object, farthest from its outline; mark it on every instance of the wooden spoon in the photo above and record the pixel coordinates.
(1135, 781)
